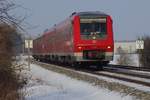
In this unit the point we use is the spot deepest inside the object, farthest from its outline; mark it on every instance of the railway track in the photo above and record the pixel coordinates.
(130, 67)
(127, 78)
(115, 73)
(124, 75)
(131, 72)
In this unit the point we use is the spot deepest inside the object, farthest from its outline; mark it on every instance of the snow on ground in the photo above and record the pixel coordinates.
(47, 85)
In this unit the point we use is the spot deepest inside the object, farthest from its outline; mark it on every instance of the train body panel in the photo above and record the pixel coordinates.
(83, 37)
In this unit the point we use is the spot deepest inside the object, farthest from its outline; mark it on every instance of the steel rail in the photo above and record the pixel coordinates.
(130, 67)
(127, 72)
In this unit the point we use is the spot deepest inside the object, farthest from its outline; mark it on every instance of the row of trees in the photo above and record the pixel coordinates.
(144, 54)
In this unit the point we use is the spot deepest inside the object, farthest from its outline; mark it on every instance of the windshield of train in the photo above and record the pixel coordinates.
(93, 28)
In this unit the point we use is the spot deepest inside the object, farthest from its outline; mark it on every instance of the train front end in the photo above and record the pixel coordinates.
(93, 37)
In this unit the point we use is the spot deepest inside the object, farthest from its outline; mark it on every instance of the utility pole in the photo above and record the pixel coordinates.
(28, 46)
(139, 47)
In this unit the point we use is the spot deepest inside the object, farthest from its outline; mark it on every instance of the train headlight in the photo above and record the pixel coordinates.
(94, 37)
(108, 47)
(79, 47)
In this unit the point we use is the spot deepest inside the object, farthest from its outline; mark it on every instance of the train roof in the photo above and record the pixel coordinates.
(86, 13)
(94, 13)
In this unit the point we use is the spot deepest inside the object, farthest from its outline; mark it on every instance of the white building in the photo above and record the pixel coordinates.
(126, 46)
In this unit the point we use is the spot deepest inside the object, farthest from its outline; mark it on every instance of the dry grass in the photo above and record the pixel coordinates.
(9, 86)
(9, 80)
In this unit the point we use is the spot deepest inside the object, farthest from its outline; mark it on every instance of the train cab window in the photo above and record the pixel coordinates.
(93, 28)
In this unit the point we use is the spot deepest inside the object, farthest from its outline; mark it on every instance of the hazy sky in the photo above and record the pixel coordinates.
(131, 18)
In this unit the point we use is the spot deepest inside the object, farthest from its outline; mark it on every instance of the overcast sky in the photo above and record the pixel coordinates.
(131, 18)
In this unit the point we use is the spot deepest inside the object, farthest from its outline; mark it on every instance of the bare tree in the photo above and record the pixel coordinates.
(6, 17)
(145, 53)
(5, 7)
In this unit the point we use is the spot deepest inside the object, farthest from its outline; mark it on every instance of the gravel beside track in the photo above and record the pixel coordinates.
(112, 86)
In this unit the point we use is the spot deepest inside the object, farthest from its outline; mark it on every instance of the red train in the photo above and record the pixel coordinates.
(83, 38)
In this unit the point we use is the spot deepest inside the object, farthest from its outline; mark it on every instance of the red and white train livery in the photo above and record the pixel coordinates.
(84, 37)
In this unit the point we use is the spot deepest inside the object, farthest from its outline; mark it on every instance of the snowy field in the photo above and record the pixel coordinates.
(47, 85)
